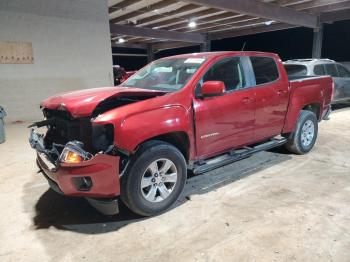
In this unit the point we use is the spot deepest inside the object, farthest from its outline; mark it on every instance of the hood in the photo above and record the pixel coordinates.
(82, 103)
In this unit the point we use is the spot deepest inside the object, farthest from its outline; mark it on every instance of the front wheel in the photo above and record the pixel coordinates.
(155, 178)
(304, 137)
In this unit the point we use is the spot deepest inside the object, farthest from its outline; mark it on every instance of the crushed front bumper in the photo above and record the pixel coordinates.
(97, 178)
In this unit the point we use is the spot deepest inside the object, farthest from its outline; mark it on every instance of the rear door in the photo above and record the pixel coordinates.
(227, 121)
(272, 96)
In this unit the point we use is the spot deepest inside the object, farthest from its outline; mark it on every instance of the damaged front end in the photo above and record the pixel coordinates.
(78, 158)
(77, 153)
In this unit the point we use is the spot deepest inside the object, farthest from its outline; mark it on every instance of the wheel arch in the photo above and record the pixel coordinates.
(315, 108)
(178, 139)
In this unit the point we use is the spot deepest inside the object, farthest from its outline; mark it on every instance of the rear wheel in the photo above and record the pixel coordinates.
(155, 178)
(304, 137)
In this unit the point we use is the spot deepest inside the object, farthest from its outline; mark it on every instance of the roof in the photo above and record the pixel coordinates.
(309, 61)
(164, 24)
(223, 53)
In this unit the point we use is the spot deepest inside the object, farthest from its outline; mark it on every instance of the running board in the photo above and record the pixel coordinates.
(234, 155)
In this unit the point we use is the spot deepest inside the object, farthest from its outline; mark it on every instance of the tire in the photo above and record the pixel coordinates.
(304, 137)
(149, 186)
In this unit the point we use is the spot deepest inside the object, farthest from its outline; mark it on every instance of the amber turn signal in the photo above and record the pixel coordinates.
(73, 158)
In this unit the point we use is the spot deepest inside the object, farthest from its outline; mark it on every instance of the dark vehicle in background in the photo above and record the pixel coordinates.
(321, 67)
(127, 75)
(118, 74)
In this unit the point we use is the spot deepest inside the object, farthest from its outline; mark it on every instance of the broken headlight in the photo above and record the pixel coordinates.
(102, 136)
(73, 153)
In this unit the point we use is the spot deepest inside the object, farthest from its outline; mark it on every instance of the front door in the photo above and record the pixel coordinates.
(227, 121)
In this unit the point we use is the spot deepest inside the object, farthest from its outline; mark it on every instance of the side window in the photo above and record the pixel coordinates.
(319, 70)
(331, 70)
(296, 70)
(265, 69)
(343, 72)
(229, 71)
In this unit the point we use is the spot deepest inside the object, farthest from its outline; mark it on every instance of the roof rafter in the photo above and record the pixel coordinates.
(339, 15)
(156, 33)
(251, 31)
(332, 7)
(263, 10)
(122, 5)
(145, 9)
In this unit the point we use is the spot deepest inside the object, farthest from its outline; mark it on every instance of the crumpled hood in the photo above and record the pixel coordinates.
(83, 102)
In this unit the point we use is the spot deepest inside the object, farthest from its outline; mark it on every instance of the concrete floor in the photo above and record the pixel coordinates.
(273, 206)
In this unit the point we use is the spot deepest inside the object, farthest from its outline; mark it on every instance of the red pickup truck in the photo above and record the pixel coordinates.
(136, 142)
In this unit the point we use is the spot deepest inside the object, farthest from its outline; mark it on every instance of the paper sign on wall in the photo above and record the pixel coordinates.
(16, 53)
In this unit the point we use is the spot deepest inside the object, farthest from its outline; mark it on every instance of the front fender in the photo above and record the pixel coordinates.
(131, 130)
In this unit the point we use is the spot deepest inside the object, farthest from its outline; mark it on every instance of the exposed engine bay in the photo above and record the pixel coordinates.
(80, 135)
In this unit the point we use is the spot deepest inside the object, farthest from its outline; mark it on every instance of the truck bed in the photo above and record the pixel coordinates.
(308, 90)
(297, 78)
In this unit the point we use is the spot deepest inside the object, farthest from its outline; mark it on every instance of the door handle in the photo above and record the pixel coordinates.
(246, 100)
(281, 92)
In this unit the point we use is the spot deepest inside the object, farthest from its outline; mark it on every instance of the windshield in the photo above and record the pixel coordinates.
(168, 75)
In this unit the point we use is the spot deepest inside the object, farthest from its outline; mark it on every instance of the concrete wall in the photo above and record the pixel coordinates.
(71, 47)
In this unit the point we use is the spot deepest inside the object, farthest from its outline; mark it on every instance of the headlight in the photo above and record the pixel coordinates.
(73, 153)
(71, 157)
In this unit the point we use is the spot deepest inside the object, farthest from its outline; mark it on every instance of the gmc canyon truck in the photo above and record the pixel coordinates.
(136, 142)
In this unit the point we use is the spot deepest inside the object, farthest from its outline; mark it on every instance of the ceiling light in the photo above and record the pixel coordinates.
(269, 22)
(121, 40)
(192, 24)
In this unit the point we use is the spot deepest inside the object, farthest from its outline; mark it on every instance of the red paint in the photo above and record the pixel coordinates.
(212, 125)
(102, 169)
(83, 102)
(213, 88)
(313, 91)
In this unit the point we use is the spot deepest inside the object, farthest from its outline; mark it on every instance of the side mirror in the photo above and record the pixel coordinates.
(212, 88)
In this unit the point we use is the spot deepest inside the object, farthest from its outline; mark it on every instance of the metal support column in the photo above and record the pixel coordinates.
(206, 46)
(317, 42)
(150, 53)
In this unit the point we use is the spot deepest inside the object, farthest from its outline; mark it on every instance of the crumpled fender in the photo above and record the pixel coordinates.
(133, 129)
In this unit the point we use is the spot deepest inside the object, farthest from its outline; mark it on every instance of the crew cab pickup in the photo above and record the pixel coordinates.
(136, 142)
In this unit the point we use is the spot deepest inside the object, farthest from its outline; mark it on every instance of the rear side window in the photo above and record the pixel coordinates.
(343, 72)
(296, 70)
(319, 70)
(265, 69)
(331, 70)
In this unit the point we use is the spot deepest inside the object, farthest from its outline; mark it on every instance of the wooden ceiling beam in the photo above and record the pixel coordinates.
(339, 15)
(251, 31)
(122, 5)
(152, 20)
(156, 33)
(171, 45)
(143, 10)
(263, 10)
(331, 7)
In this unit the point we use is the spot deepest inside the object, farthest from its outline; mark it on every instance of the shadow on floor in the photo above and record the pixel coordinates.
(75, 214)
(340, 106)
